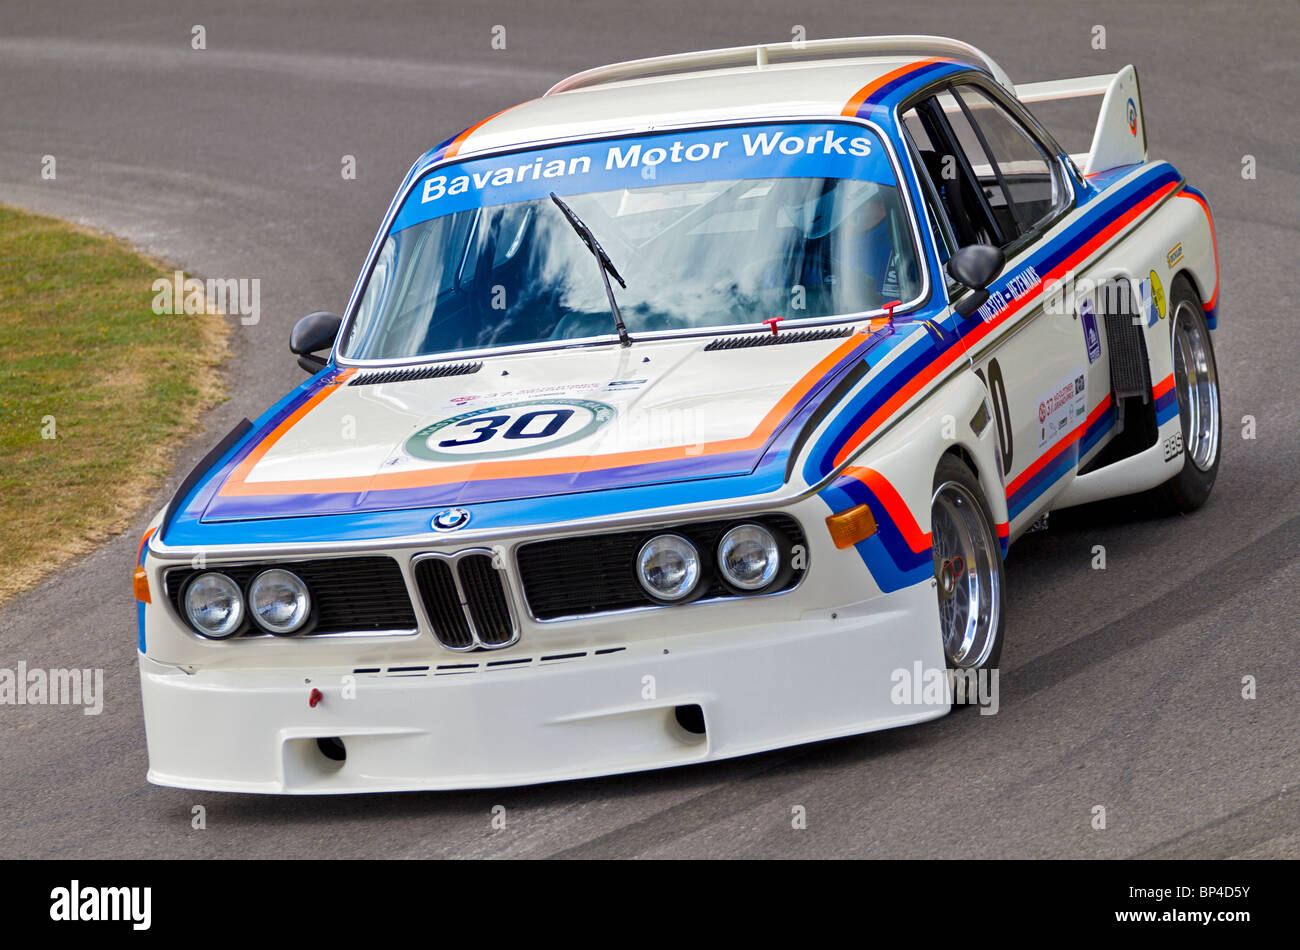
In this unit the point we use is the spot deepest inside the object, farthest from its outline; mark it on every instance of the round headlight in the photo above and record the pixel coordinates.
(668, 567)
(214, 605)
(748, 557)
(279, 601)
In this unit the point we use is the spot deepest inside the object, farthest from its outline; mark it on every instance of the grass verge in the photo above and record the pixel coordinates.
(96, 390)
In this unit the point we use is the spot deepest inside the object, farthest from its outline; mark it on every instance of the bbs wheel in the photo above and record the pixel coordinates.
(1196, 381)
(968, 569)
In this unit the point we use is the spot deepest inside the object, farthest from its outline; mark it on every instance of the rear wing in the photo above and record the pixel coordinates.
(1121, 135)
(768, 54)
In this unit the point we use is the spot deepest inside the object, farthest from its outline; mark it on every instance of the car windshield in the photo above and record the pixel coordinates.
(709, 228)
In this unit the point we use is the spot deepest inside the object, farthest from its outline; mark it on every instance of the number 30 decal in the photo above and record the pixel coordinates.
(515, 428)
(1001, 410)
(488, 426)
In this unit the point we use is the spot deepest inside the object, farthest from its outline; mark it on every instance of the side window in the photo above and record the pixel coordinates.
(1021, 184)
(921, 145)
(954, 185)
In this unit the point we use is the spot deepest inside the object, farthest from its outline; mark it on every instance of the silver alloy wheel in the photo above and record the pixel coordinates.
(966, 571)
(1197, 383)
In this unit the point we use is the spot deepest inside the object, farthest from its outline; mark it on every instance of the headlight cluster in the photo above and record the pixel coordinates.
(277, 601)
(747, 558)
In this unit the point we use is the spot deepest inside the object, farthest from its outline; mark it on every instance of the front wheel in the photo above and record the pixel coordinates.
(1196, 381)
(968, 569)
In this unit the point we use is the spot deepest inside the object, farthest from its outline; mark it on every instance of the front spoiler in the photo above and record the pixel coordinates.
(760, 688)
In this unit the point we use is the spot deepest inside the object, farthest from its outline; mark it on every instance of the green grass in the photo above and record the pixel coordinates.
(80, 343)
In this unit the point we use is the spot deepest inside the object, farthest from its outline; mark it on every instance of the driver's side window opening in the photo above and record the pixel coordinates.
(995, 182)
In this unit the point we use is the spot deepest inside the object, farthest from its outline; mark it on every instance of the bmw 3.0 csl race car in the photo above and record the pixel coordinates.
(676, 415)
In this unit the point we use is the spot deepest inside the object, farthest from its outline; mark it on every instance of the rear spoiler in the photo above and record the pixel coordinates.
(1121, 134)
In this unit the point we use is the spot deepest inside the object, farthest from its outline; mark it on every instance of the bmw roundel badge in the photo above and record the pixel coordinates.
(450, 519)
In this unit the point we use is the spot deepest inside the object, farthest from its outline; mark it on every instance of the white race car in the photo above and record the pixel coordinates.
(684, 412)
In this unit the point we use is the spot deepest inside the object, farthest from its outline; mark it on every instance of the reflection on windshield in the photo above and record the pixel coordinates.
(695, 255)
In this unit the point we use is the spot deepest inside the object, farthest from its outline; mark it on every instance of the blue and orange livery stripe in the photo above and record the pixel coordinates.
(452, 146)
(877, 97)
(902, 380)
(899, 554)
(139, 604)
(1211, 306)
(598, 471)
(1166, 398)
(1059, 460)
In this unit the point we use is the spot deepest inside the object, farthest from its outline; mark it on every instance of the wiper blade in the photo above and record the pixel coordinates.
(607, 268)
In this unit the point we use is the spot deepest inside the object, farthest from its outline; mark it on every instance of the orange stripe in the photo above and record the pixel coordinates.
(143, 541)
(899, 513)
(458, 141)
(1214, 241)
(237, 485)
(244, 467)
(863, 94)
(1044, 460)
(1162, 387)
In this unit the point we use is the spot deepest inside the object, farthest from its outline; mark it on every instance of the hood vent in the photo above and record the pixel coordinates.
(436, 371)
(747, 340)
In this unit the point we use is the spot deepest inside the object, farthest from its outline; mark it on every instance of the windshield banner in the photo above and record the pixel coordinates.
(786, 150)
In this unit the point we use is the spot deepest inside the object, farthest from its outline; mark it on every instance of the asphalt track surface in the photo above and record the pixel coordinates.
(1120, 687)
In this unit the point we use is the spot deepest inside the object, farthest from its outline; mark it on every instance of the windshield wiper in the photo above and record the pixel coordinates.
(607, 268)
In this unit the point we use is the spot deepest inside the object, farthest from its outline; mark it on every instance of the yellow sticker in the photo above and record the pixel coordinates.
(1175, 254)
(1157, 295)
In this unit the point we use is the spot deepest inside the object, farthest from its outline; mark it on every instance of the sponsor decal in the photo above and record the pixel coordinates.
(1175, 254)
(515, 428)
(538, 392)
(1132, 118)
(1157, 295)
(1061, 410)
(1019, 285)
(1088, 315)
(1174, 446)
(784, 150)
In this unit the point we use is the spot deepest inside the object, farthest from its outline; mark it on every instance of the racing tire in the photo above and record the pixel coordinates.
(1196, 381)
(970, 579)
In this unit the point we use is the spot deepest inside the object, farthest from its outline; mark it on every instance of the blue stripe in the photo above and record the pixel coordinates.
(1050, 474)
(887, 555)
(1095, 432)
(881, 103)
(1167, 407)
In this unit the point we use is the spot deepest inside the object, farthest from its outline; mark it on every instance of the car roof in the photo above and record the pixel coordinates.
(815, 78)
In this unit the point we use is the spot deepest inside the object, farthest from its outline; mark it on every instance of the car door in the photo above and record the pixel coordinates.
(997, 183)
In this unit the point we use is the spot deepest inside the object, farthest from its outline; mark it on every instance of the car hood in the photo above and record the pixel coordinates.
(527, 425)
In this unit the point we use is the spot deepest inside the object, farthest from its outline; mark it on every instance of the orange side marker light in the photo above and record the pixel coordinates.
(847, 528)
(140, 583)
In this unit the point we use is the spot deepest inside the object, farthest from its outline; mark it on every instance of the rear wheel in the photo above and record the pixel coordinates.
(1196, 381)
(968, 569)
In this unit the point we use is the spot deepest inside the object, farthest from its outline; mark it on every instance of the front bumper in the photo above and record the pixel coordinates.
(822, 676)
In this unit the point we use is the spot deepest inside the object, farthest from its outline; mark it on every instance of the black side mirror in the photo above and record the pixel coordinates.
(975, 266)
(311, 334)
